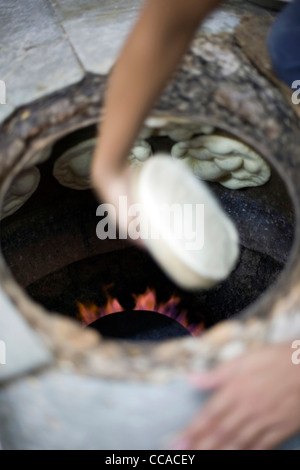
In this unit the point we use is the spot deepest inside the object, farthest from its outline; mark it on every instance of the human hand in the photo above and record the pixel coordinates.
(114, 187)
(109, 183)
(255, 405)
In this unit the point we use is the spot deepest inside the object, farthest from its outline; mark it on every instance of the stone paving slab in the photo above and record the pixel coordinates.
(97, 29)
(42, 71)
(5, 112)
(101, 37)
(36, 59)
(70, 8)
(25, 24)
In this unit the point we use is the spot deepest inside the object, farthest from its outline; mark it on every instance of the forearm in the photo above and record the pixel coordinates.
(148, 59)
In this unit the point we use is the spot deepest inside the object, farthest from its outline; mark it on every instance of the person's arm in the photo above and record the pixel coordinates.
(150, 56)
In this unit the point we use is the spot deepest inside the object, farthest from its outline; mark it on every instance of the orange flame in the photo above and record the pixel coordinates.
(90, 312)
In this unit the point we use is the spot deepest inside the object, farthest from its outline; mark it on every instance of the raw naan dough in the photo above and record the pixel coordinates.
(164, 181)
(72, 169)
(177, 129)
(22, 188)
(140, 152)
(223, 159)
(179, 133)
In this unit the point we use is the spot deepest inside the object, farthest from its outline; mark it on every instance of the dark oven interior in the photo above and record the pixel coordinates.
(51, 246)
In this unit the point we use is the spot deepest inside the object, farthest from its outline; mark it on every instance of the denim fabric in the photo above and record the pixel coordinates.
(284, 43)
(292, 444)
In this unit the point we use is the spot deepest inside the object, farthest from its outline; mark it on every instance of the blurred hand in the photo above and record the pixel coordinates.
(255, 404)
(110, 185)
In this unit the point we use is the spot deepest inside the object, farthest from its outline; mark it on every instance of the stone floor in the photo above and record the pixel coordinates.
(47, 45)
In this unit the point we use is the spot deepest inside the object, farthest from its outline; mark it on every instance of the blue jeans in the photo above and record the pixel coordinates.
(284, 43)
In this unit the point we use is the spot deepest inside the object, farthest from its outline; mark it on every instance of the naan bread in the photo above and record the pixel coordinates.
(223, 159)
(72, 169)
(177, 129)
(140, 152)
(22, 188)
(164, 182)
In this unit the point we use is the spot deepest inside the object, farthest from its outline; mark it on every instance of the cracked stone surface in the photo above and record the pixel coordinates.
(53, 63)
(77, 8)
(35, 57)
(27, 24)
(101, 37)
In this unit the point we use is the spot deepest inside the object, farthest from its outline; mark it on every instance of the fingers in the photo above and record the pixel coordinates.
(227, 427)
(251, 408)
(229, 419)
(231, 431)
(206, 423)
(215, 378)
(267, 441)
(227, 434)
(252, 362)
(243, 435)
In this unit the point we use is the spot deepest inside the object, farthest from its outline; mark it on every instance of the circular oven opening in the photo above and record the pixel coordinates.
(52, 249)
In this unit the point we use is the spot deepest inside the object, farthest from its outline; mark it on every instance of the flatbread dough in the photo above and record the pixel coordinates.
(72, 169)
(223, 159)
(140, 152)
(207, 249)
(22, 188)
(177, 129)
(179, 133)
